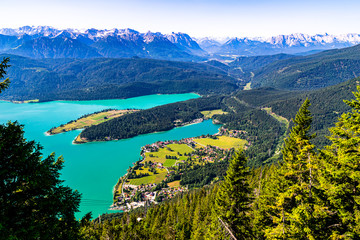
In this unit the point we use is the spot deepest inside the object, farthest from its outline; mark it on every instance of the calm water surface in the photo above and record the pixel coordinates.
(94, 168)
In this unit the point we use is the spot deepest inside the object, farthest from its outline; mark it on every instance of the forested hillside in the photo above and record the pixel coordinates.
(326, 107)
(248, 65)
(104, 78)
(310, 72)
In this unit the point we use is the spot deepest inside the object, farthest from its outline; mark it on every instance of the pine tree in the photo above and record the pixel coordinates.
(34, 204)
(262, 215)
(233, 198)
(295, 204)
(341, 177)
(3, 65)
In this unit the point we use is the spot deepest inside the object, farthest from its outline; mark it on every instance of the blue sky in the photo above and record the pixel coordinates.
(198, 18)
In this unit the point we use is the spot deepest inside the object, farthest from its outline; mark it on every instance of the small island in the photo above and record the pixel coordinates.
(88, 120)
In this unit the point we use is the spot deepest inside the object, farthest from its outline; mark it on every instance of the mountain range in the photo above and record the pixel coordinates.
(290, 44)
(48, 42)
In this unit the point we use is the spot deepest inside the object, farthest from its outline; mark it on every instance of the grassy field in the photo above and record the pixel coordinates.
(93, 119)
(153, 178)
(118, 188)
(181, 148)
(79, 140)
(170, 150)
(248, 86)
(277, 117)
(282, 120)
(27, 101)
(222, 142)
(209, 114)
(169, 162)
(174, 184)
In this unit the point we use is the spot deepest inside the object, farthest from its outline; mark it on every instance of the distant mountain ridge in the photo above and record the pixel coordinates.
(120, 43)
(289, 44)
(48, 42)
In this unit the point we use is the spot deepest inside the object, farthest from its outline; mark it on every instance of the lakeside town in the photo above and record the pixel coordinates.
(157, 176)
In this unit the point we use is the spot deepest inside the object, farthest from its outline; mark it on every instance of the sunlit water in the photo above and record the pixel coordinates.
(94, 168)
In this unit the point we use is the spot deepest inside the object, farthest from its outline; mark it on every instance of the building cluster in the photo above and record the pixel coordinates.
(146, 195)
(232, 133)
(133, 196)
(210, 154)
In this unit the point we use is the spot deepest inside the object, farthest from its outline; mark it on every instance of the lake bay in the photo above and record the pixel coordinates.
(94, 168)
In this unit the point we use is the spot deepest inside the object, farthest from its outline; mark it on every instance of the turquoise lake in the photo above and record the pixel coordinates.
(94, 168)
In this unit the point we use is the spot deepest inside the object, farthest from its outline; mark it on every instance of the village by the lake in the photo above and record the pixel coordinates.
(156, 176)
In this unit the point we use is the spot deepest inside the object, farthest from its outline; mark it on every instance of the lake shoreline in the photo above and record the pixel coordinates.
(92, 169)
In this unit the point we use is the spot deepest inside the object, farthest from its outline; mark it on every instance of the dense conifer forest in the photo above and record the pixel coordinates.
(314, 71)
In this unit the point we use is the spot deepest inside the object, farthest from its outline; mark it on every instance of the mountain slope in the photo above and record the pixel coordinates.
(106, 78)
(58, 47)
(185, 42)
(311, 72)
(249, 64)
(326, 103)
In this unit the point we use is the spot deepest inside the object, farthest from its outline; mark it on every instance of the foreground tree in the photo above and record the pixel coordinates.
(233, 198)
(296, 207)
(3, 66)
(341, 177)
(33, 202)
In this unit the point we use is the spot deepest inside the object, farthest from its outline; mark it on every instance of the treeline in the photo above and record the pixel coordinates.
(160, 118)
(308, 195)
